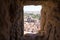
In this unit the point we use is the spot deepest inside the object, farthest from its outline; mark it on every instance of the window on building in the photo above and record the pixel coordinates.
(32, 15)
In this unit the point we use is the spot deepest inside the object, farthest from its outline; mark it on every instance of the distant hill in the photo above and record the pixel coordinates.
(34, 12)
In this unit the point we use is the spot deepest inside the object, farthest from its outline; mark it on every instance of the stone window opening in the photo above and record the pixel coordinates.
(32, 14)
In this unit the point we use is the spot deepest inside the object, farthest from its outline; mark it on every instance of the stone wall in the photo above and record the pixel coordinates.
(11, 19)
(51, 23)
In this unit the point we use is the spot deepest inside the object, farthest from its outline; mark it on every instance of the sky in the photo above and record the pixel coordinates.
(32, 8)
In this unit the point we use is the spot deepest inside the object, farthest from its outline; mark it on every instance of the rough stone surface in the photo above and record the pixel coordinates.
(11, 19)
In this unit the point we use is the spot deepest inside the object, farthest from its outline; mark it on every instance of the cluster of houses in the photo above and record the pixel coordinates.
(31, 25)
